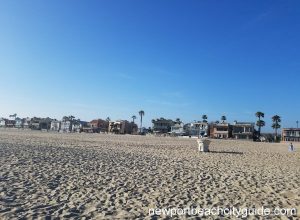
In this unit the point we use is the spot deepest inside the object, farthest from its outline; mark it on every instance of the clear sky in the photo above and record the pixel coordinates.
(94, 59)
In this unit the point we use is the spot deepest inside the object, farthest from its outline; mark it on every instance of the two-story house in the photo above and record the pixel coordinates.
(3, 122)
(220, 130)
(65, 126)
(19, 122)
(122, 127)
(243, 130)
(55, 125)
(196, 129)
(162, 125)
(290, 134)
(177, 129)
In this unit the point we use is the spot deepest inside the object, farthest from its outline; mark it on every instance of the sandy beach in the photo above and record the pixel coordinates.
(100, 176)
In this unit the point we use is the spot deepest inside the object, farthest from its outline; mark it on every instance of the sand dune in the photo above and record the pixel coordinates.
(93, 176)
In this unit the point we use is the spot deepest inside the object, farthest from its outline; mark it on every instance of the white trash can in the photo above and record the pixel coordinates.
(203, 145)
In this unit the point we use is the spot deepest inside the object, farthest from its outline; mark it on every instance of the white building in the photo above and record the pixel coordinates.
(26, 123)
(177, 129)
(66, 126)
(79, 125)
(55, 125)
(3, 122)
(197, 129)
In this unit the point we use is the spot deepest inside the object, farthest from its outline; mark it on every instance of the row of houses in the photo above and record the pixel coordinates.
(69, 124)
(26, 123)
(238, 130)
(224, 130)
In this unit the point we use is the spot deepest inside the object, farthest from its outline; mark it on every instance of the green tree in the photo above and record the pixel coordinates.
(260, 123)
(141, 113)
(276, 120)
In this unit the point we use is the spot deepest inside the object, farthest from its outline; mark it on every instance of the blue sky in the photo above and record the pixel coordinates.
(172, 59)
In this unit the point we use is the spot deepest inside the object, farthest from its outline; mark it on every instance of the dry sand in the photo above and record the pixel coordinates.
(97, 176)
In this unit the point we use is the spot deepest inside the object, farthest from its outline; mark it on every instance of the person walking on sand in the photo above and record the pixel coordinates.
(291, 148)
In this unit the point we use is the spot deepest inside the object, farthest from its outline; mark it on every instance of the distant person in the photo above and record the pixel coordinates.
(291, 148)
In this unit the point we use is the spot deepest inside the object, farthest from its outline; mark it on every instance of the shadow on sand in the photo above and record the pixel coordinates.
(225, 152)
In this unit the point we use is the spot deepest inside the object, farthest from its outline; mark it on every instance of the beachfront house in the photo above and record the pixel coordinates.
(96, 126)
(3, 122)
(55, 125)
(290, 134)
(26, 123)
(134, 129)
(78, 126)
(220, 130)
(10, 123)
(243, 130)
(162, 125)
(177, 129)
(35, 123)
(19, 122)
(196, 129)
(66, 126)
(122, 127)
(45, 124)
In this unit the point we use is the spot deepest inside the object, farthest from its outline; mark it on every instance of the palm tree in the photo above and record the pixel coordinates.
(133, 118)
(141, 113)
(276, 120)
(217, 122)
(297, 122)
(260, 123)
(223, 118)
(108, 119)
(204, 117)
